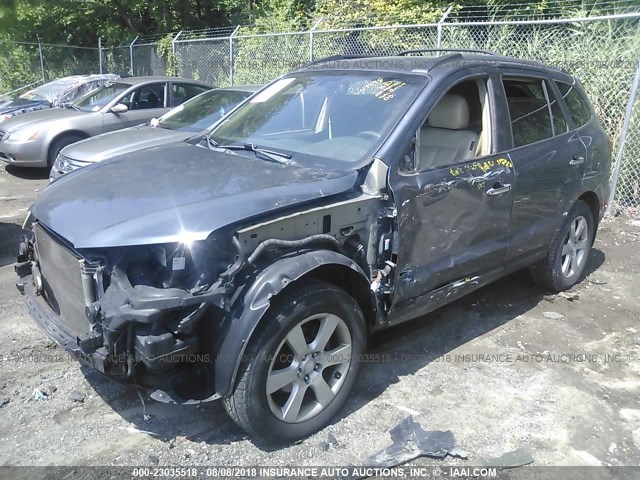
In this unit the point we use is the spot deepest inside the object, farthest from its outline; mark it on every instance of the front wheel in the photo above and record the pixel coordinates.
(564, 265)
(58, 145)
(301, 364)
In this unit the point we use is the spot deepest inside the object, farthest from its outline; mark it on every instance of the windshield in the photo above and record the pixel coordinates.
(202, 111)
(335, 117)
(101, 97)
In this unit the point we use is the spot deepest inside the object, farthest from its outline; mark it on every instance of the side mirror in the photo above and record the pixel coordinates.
(119, 108)
(154, 122)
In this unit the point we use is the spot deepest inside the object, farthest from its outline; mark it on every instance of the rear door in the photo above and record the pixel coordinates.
(452, 210)
(144, 103)
(548, 160)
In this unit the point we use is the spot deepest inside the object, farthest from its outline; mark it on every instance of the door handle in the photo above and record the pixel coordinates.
(576, 160)
(499, 188)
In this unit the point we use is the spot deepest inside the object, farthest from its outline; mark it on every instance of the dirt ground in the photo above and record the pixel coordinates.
(506, 367)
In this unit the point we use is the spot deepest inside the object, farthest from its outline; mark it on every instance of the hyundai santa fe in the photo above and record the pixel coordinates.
(251, 263)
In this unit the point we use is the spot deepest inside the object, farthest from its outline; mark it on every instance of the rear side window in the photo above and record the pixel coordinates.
(559, 122)
(529, 111)
(577, 104)
(534, 110)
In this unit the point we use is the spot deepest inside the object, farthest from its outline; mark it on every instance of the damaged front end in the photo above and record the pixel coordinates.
(177, 317)
(132, 313)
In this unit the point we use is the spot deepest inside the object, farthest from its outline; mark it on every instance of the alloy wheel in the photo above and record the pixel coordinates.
(574, 247)
(309, 368)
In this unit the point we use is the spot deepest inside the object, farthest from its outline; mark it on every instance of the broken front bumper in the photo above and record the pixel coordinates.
(53, 325)
(142, 335)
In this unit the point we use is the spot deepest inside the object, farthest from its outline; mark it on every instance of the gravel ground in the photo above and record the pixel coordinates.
(504, 368)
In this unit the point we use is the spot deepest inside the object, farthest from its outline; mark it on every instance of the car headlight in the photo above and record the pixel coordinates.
(22, 135)
(61, 163)
(186, 264)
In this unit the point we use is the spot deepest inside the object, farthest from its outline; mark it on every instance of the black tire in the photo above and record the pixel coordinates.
(549, 273)
(251, 407)
(58, 145)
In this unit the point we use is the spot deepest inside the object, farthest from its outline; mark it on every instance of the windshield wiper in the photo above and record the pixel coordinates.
(275, 156)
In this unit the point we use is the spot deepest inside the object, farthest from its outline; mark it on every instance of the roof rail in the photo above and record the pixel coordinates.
(448, 50)
(334, 58)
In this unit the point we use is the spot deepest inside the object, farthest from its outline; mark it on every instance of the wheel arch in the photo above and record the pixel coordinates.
(65, 133)
(593, 201)
(254, 301)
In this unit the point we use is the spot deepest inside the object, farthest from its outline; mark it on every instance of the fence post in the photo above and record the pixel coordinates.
(315, 26)
(41, 58)
(623, 137)
(233, 34)
(173, 54)
(100, 53)
(131, 53)
(440, 22)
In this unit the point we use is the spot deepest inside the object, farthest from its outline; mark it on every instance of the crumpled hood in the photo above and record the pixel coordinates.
(157, 195)
(107, 145)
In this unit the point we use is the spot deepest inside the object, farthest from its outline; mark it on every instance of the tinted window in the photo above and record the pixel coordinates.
(181, 92)
(578, 105)
(529, 111)
(149, 96)
(203, 111)
(559, 122)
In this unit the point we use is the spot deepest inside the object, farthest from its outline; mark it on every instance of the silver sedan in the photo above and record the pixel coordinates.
(182, 122)
(35, 139)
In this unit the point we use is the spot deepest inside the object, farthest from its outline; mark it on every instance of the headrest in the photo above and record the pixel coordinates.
(450, 112)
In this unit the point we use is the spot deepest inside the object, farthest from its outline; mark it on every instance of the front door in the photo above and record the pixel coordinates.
(454, 200)
(144, 103)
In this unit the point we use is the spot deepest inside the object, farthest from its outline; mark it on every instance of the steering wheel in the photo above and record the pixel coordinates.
(369, 134)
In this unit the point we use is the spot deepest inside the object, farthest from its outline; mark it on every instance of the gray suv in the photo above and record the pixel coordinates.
(34, 139)
(252, 263)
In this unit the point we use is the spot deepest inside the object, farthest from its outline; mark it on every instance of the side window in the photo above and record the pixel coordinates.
(529, 110)
(149, 96)
(126, 100)
(408, 160)
(577, 104)
(457, 128)
(181, 92)
(559, 122)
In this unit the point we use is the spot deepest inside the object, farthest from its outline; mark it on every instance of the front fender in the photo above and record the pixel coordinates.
(251, 306)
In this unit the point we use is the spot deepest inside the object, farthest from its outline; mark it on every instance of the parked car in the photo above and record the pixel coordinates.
(35, 139)
(182, 122)
(4, 99)
(349, 196)
(54, 94)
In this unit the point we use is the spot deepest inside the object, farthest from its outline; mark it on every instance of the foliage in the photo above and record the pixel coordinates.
(164, 49)
(350, 13)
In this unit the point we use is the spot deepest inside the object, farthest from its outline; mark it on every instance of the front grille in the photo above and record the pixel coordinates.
(62, 281)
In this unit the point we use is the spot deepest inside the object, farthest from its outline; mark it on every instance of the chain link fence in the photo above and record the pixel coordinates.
(146, 61)
(602, 51)
(117, 60)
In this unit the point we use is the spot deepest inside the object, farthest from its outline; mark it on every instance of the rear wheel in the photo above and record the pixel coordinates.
(301, 364)
(58, 145)
(564, 265)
